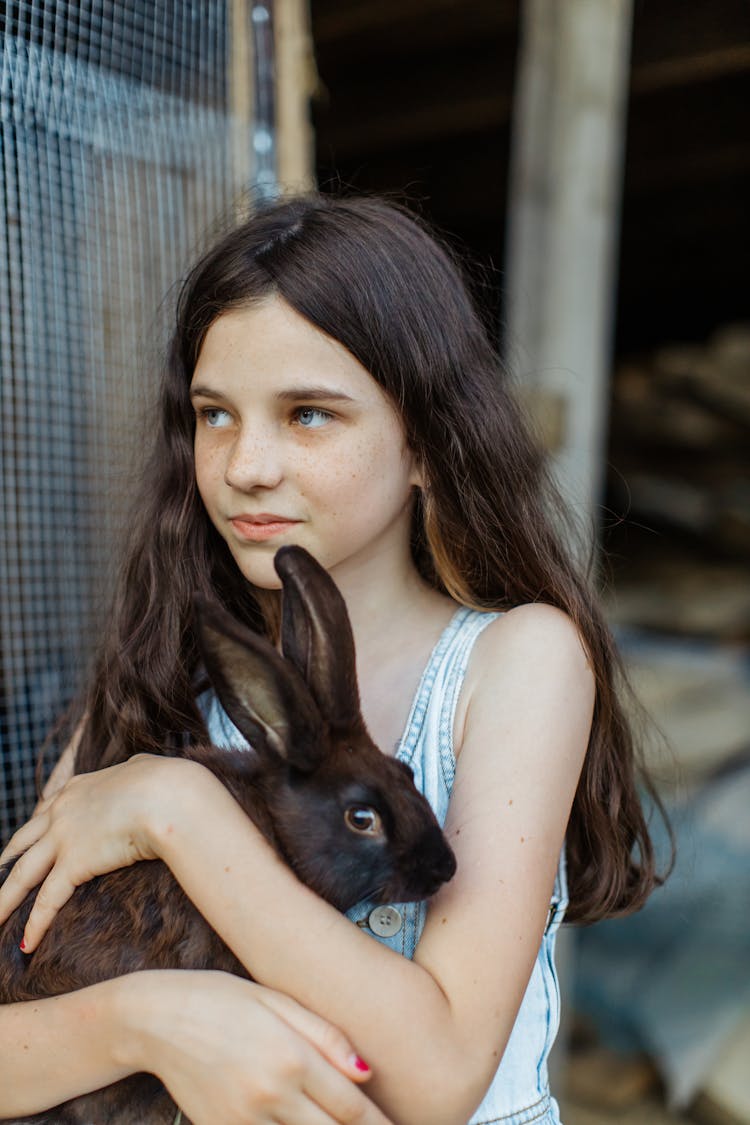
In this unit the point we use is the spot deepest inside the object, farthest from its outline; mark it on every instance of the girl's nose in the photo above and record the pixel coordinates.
(254, 462)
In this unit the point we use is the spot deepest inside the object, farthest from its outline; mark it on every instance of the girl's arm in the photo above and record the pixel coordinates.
(41, 1064)
(279, 1063)
(433, 1029)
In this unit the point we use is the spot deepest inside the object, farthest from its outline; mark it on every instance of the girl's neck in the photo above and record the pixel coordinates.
(397, 620)
(389, 602)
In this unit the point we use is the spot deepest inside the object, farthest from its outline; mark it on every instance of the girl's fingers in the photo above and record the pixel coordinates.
(27, 835)
(230, 1050)
(27, 872)
(36, 866)
(338, 1100)
(335, 1097)
(53, 894)
(308, 1113)
(331, 1043)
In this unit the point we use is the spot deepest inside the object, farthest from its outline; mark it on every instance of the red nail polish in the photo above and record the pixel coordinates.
(22, 946)
(360, 1064)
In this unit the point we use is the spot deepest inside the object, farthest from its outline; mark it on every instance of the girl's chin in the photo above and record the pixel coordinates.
(258, 571)
(264, 585)
(256, 563)
(262, 579)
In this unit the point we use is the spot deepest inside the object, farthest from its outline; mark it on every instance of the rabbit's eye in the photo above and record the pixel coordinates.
(364, 820)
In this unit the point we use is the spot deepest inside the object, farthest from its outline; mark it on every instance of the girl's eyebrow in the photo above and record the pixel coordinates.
(313, 394)
(200, 390)
(291, 394)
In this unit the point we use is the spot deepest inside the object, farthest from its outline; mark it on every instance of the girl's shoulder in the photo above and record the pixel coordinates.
(534, 630)
(532, 656)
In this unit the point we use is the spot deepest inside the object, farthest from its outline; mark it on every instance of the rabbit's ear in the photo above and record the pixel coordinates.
(263, 694)
(316, 635)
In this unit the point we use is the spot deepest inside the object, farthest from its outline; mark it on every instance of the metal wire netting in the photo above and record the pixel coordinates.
(121, 143)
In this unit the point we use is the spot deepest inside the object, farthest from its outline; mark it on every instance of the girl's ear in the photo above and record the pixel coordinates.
(316, 635)
(263, 694)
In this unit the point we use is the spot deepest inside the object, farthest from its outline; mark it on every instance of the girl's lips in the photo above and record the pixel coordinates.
(261, 528)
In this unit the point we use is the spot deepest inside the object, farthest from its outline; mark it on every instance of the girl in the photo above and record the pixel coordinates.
(330, 384)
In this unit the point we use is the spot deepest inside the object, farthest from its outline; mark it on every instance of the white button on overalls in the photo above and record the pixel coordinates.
(385, 921)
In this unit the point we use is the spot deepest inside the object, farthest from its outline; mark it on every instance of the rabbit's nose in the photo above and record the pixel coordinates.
(444, 868)
(448, 866)
(440, 860)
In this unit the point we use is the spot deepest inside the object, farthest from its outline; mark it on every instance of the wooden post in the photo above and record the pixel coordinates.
(241, 99)
(284, 141)
(568, 136)
(296, 78)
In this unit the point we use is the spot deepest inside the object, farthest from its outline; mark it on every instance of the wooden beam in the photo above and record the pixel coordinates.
(468, 104)
(705, 66)
(361, 17)
(674, 29)
(408, 124)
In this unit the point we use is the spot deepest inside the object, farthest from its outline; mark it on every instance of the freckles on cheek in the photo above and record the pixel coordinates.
(205, 460)
(208, 473)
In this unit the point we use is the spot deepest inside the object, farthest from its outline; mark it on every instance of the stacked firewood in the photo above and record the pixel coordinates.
(678, 504)
(677, 539)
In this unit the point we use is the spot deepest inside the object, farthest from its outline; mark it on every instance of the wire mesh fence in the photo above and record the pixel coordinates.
(121, 143)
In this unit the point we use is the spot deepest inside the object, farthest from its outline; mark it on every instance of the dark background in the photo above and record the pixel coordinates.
(416, 96)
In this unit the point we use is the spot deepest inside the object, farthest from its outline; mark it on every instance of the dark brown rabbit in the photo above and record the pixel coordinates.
(346, 818)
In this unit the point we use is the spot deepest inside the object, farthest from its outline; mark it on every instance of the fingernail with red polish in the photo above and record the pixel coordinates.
(22, 946)
(360, 1064)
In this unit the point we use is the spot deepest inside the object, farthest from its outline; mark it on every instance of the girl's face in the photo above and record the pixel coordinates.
(295, 442)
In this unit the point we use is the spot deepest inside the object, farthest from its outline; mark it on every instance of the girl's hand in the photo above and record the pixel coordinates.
(97, 822)
(232, 1051)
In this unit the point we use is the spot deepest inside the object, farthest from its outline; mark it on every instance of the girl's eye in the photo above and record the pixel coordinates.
(363, 820)
(311, 418)
(215, 417)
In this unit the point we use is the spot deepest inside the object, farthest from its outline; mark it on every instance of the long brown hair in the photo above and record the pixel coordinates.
(486, 530)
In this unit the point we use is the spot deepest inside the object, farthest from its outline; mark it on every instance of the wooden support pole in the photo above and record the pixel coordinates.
(272, 138)
(241, 83)
(296, 79)
(563, 217)
(241, 98)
